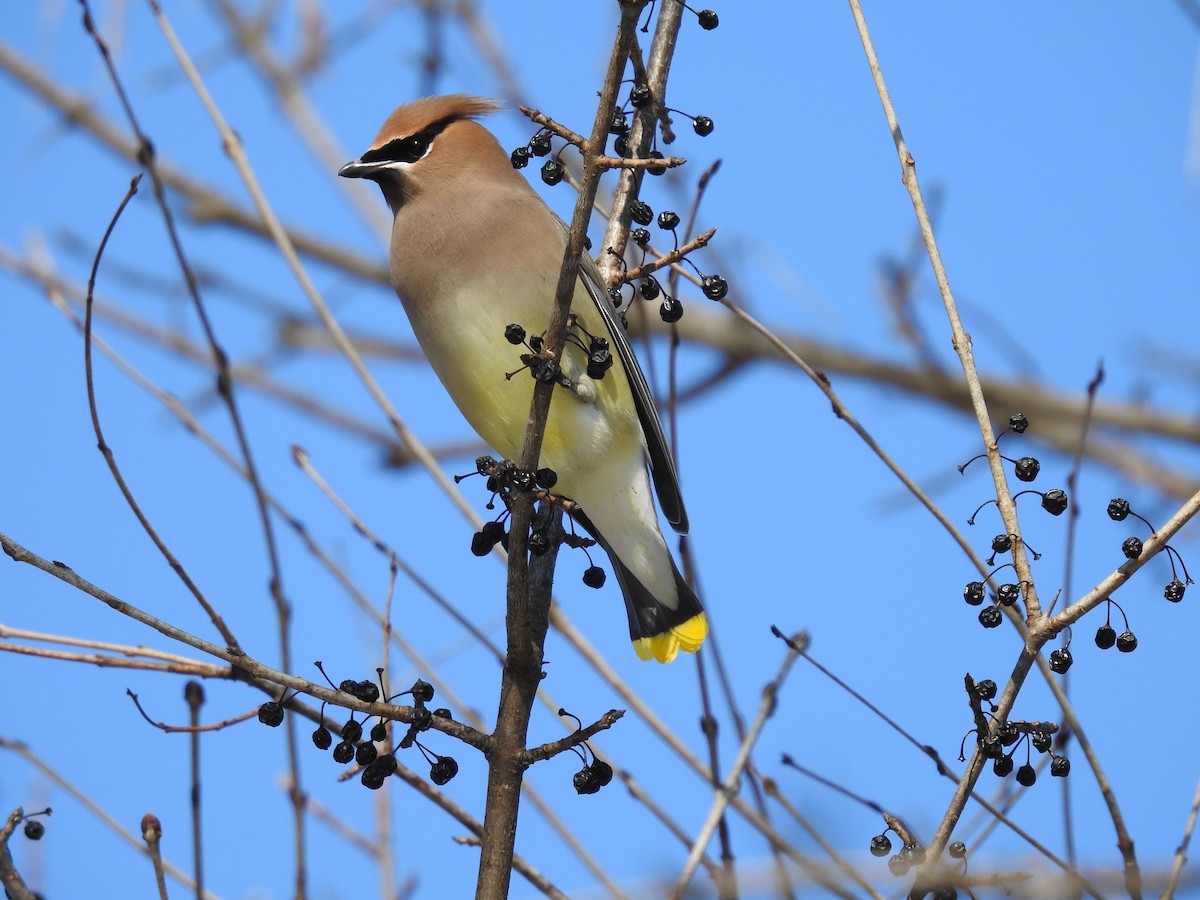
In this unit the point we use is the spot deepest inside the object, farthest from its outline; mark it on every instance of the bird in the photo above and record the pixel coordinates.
(475, 249)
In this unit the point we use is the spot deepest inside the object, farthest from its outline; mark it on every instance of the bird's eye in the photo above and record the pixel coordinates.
(405, 150)
(413, 148)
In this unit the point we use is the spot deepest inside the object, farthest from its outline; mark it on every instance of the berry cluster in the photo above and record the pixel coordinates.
(505, 477)
(1006, 594)
(376, 765)
(595, 774)
(553, 171)
(1010, 734)
(913, 854)
(1107, 636)
(640, 96)
(715, 287)
(1054, 501)
(1119, 510)
(546, 370)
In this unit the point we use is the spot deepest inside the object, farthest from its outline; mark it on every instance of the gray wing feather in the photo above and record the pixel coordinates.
(662, 466)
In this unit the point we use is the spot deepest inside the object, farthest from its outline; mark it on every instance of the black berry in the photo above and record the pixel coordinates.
(671, 310)
(714, 286)
(1054, 502)
(443, 770)
(585, 781)
(552, 172)
(539, 144)
(422, 691)
(990, 616)
(668, 219)
(603, 771)
(1027, 468)
(271, 713)
(1008, 594)
(1060, 660)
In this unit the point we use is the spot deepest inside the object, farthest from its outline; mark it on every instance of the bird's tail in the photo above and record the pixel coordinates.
(660, 631)
(658, 628)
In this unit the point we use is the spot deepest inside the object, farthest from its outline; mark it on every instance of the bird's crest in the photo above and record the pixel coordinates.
(430, 112)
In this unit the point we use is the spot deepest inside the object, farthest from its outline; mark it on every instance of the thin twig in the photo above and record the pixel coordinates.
(1180, 859)
(106, 451)
(193, 693)
(528, 600)
(152, 835)
(10, 879)
(766, 709)
(26, 753)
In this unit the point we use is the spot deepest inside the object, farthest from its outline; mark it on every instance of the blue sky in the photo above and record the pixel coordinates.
(1062, 144)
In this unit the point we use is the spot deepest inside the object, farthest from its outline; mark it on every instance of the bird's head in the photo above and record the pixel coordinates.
(429, 146)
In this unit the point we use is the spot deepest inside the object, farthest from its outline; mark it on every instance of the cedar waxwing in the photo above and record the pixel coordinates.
(475, 249)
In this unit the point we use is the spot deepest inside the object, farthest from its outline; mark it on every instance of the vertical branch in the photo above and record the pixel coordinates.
(528, 596)
(193, 694)
(645, 120)
(10, 879)
(960, 339)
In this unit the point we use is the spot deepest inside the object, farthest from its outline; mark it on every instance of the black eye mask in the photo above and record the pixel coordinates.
(407, 149)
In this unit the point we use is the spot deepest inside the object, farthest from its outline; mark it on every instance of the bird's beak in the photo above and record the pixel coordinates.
(357, 169)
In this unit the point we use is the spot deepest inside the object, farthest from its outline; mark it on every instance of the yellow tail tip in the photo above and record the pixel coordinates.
(687, 636)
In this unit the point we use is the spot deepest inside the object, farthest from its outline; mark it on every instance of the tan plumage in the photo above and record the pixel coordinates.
(474, 249)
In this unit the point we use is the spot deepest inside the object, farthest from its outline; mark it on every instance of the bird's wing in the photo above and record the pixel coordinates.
(662, 466)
